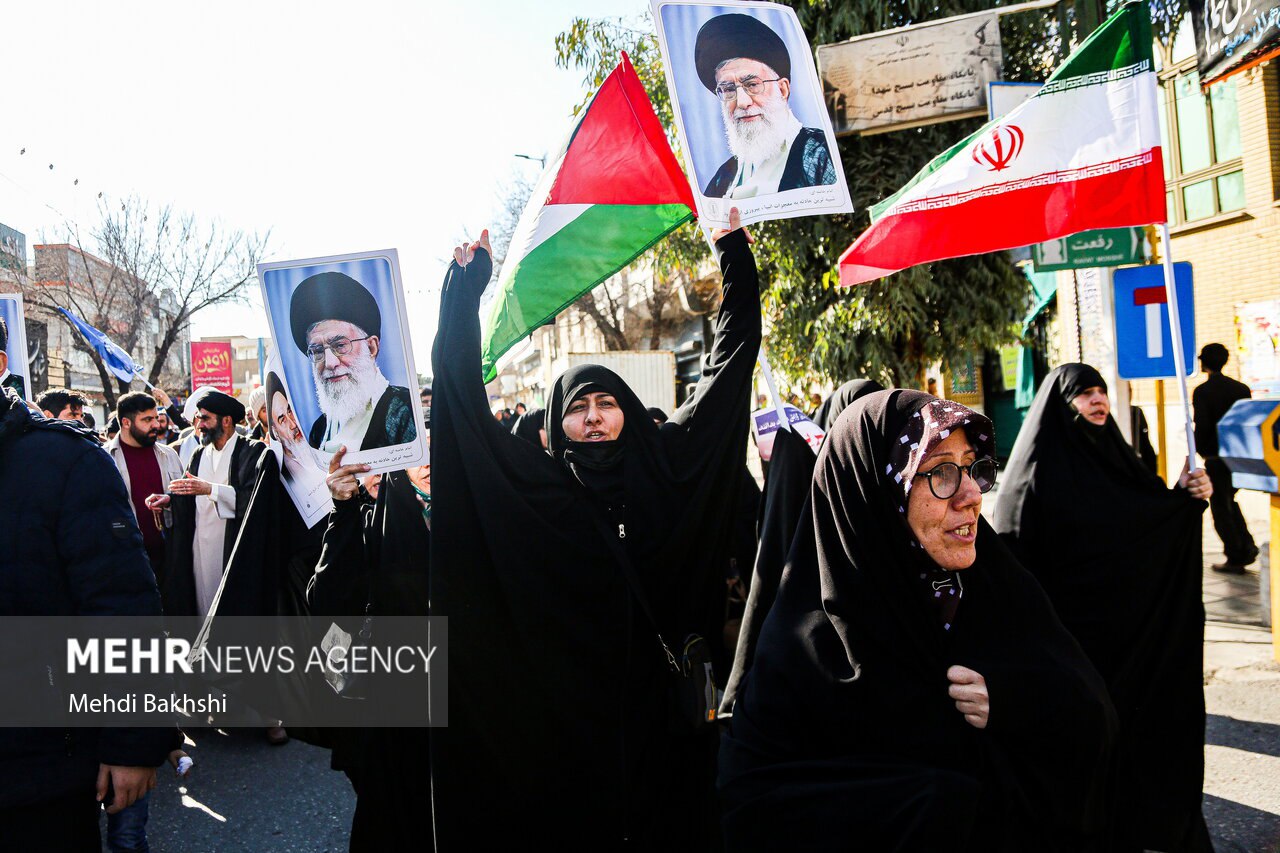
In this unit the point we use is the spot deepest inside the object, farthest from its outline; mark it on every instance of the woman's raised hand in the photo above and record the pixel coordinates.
(969, 691)
(466, 252)
(735, 222)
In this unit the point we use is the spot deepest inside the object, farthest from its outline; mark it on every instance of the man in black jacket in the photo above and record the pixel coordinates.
(1211, 401)
(73, 549)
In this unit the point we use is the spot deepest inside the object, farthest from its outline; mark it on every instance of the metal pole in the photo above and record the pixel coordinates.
(1162, 451)
(783, 421)
(1175, 331)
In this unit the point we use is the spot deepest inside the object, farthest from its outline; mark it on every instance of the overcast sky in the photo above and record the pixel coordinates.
(340, 127)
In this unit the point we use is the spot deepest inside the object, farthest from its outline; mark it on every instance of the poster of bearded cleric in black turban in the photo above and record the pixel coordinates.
(749, 111)
(343, 340)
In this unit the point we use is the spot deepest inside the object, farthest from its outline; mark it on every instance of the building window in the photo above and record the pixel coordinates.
(1200, 137)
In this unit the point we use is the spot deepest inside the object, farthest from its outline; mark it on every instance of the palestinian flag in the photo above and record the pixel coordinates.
(1082, 153)
(614, 190)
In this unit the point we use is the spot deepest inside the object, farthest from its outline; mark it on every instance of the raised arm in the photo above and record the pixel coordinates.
(455, 356)
(722, 398)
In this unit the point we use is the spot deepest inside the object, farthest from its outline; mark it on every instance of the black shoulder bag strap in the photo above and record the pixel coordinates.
(614, 538)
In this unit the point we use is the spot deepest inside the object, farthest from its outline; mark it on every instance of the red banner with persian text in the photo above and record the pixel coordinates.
(211, 365)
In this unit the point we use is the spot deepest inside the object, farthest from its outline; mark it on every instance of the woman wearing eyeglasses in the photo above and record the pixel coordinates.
(912, 688)
(1120, 556)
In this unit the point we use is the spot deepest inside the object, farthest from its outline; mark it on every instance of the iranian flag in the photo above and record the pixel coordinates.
(612, 192)
(1083, 152)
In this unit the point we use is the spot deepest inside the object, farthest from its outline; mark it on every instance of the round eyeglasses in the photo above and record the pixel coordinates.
(944, 479)
(753, 87)
(340, 347)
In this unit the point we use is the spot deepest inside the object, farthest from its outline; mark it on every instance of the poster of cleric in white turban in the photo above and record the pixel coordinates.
(749, 111)
(302, 467)
(343, 340)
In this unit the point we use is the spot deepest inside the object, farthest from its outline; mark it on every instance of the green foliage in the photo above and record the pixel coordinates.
(892, 329)
(594, 47)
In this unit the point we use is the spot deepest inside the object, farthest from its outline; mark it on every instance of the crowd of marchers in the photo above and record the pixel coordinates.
(898, 673)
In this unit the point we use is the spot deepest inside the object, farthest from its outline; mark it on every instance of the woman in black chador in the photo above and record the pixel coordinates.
(561, 725)
(912, 688)
(786, 490)
(1119, 555)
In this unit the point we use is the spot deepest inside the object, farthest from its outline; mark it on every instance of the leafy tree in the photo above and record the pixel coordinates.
(894, 328)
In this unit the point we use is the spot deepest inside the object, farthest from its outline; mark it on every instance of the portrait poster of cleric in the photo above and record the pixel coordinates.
(343, 340)
(749, 111)
(13, 345)
(302, 467)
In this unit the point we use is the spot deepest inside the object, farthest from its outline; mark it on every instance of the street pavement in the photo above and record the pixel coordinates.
(246, 796)
(1242, 697)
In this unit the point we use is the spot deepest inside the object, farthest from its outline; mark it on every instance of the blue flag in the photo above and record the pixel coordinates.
(118, 362)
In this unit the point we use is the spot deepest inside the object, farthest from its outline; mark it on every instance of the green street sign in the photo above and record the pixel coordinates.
(1105, 247)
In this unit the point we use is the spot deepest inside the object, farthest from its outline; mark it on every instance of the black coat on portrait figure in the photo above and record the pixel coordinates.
(179, 591)
(1119, 554)
(376, 558)
(844, 736)
(558, 685)
(392, 422)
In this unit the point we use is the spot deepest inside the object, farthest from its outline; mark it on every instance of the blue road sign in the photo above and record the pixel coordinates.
(1144, 347)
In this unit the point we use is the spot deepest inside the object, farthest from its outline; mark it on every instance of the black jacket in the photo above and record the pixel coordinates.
(73, 548)
(1211, 400)
(392, 422)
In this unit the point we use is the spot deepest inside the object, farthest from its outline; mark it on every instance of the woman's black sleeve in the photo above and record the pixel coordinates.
(340, 585)
(722, 398)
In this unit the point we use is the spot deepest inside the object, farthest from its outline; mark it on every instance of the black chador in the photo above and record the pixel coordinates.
(1120, 556)
(844, 736)
(786, 490)
(558, 688)
(375, 561)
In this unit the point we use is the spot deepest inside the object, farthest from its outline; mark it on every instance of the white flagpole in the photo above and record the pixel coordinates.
(1175, 333)
(784, 422)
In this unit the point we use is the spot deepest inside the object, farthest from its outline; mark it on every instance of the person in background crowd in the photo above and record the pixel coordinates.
(168, 432)
(1119, 555)
(61, 404)
(257, 412)
(910, 669)
(425, 397)
(532, 427)
(1211, 400)
(564, 678)
(170, 409)
(88, 420)
(932, 389)
(113, 428)
(815, 402)
(80, 554)
(207, 502)
(786, 491)
(1140, 440)
(520, 410)
(147, 467)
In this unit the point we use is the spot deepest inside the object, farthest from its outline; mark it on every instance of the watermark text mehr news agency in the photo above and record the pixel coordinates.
(172, 655)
